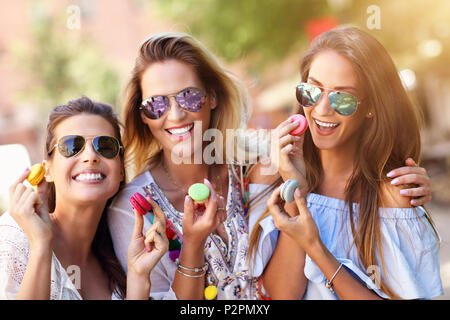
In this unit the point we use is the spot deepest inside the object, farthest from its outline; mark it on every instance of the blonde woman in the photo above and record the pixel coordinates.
(350, 233)
(177, 92)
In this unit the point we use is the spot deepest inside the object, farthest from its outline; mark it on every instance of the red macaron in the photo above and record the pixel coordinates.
(302, 126)
(140, 203)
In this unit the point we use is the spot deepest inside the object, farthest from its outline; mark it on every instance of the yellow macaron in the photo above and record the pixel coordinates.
(210, 292)
(36, 174)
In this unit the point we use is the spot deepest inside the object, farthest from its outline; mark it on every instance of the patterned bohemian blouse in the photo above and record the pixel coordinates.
(227, 262)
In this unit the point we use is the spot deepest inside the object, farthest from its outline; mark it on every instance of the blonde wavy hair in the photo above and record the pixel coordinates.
(142, 151)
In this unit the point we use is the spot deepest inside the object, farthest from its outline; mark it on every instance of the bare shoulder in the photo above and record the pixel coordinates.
(261, 173)
(391, 197)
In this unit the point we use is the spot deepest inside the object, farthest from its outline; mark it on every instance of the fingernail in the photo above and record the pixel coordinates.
(403, 192)
(413, 202)
(390, 174)
(187, 199)
(206, 181)
(147, 249)
(298, 193)
(27, 169)
(395, 181)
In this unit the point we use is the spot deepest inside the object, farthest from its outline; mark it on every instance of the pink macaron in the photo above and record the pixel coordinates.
(303, 125)
(140, 203)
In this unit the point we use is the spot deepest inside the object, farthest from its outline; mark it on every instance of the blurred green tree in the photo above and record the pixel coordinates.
(415, 32)
(259, 31)
(63, 64)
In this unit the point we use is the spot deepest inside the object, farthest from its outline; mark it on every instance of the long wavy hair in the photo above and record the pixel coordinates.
(102, 245)
(142, 150)
(386, 140)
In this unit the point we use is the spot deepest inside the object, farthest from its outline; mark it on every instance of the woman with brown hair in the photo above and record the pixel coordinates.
(178, 93)
(61, 228)
(350, 234)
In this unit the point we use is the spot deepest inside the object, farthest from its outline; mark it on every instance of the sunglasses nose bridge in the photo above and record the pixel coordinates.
(323, 106)
(88, 153)
(175, 111)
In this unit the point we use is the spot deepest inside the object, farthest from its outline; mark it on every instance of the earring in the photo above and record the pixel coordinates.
(369, 115)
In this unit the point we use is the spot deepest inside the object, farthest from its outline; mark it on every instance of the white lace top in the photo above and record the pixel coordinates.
(14, 254)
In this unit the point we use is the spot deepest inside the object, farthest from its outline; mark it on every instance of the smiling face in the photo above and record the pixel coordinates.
(329, 129)
(176, 125)
(86, 177)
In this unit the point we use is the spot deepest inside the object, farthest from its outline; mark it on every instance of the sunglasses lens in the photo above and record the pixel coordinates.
(106, 146)
(191, 99)
(307, 94)
(343, 103)
(155, 107)
(69, 146)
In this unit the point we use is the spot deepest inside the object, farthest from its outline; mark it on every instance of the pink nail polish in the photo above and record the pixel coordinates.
(390, 174)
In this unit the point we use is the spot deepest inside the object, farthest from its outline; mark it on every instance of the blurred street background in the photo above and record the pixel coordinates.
(52, 51)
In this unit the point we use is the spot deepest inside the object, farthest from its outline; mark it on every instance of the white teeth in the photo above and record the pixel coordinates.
(324, 124)
(89, 176)
(180, 131)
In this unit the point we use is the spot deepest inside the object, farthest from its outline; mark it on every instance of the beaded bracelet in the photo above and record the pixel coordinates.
(203, 269)
(329, 284)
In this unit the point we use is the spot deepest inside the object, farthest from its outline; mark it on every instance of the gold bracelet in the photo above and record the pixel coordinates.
(329, 284)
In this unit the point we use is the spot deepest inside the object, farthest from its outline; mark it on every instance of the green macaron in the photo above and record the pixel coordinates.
(288, 189)
(199, 192)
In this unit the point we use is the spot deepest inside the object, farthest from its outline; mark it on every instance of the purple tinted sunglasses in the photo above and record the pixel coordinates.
(189, 99)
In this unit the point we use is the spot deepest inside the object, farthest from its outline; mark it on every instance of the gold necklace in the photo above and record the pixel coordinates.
(180, 187)
(171, 179)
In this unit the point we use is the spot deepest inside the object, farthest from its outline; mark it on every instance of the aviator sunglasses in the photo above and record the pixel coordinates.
(71, 145)
(343, 103)
(190, 99)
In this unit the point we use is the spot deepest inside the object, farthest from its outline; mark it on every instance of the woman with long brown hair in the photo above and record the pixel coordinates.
(55, 242)
(350, 234)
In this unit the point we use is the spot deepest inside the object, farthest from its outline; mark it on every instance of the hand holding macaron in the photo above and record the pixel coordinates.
(28, 206)
(196, 228)
(286, 149)
(301, 228)
(144, 251)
